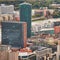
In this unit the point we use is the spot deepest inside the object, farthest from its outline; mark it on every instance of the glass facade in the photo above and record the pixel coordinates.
(13, 34)
(25, 16)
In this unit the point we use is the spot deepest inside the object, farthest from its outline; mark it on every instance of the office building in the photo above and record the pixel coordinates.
(25, 16)
(14, 34)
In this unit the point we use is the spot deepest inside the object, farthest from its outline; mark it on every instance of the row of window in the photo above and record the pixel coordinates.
(43, 26)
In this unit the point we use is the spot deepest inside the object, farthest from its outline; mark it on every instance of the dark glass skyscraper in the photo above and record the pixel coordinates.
(25, 16)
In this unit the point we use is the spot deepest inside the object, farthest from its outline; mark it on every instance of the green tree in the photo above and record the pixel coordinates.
(36, 5)
(43, 3)
(56, 14)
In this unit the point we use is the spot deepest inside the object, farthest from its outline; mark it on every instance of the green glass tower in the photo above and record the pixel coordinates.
(25, 16)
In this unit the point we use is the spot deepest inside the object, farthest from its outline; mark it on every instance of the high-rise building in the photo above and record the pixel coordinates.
(14, 34)
(25, 16)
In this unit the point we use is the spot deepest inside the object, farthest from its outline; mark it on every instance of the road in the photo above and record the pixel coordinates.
(36, 18)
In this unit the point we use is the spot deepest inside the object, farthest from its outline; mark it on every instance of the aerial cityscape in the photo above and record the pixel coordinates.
(29, 29)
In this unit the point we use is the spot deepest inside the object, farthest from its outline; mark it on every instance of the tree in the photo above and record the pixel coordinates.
(56, 14)
(43, 3)
(36, 5)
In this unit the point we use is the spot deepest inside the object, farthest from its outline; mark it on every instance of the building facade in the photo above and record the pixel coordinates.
(14, 34)
(25, 16)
